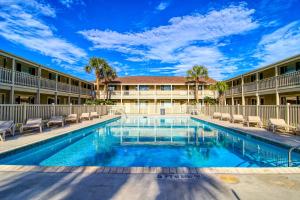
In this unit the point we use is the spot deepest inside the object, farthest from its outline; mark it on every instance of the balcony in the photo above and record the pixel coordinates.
(250, 87)
(286, 80)
(5, 75)
(25, 79)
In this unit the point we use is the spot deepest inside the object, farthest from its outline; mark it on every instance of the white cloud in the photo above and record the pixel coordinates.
(21, 23)
(280, 44)
(183, 42)
(162, 6)
(69, 3)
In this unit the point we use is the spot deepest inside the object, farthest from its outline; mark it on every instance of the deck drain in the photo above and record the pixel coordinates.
(229, 179)
(178, 176)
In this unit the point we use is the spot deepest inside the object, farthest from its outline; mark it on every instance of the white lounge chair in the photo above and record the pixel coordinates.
(297, 129)
(94, 115)
(237, 118)
(6, 126)
(56, 120)
(254, 120)
(71, 118)
(275, 124)
(32, 124)
(85, 116)
(217, 115)
(225, 116)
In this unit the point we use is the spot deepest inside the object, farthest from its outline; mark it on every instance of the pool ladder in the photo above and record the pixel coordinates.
(290, 161)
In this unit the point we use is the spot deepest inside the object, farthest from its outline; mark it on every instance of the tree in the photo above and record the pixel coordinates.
(195, 74)
(209, 101)
(103, 72)
(221, 87)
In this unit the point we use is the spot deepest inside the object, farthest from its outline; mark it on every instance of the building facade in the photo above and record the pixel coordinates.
(156, 89)
(23, 81)
(275, 84)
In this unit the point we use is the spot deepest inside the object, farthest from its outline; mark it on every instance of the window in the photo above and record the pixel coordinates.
(143, 87)
(200, 87)
(253, 78)
(51, 101)
(19, 67)
(2, 98)
(298, 66)
(262, 101)
(32, 71)
(165, 87)
(112, 87)
(261, 76)
(4, 62)
(287, 69)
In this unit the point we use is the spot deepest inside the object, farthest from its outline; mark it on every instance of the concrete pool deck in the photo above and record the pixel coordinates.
(20, 141)
(147, 186)
(285, 139)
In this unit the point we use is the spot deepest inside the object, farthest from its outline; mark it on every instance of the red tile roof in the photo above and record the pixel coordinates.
(157, 80)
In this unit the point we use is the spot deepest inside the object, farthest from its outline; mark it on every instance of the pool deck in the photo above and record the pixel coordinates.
(35, 182)
(286, 139)
(25, 139)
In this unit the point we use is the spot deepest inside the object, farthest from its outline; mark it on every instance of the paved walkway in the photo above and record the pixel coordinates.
(30, 138)
(34, 185)
(283, 138)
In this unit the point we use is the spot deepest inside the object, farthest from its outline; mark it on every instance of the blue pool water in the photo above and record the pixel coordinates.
(153, 141)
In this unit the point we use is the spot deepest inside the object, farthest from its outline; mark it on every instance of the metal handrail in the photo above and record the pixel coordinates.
(290, 162)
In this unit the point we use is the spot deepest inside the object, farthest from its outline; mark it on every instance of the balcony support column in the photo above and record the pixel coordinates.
(56, 80)
(243, 97)
(232, 99)
(69, 100)
(55, 98)
(202, 95)
(138, 88)
(38, 95)
(12, 89)
(171, 95)
(188, 94)
(121, 94)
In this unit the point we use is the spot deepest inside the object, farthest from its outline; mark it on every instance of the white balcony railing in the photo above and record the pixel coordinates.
(5, 75)
(285, 80)
(48, 84)
(25, 79)
(250, 87)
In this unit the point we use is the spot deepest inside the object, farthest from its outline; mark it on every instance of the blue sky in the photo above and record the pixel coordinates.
(157, 37)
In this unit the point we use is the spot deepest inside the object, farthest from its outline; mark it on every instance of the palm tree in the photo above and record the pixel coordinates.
(195, 74)
(221, 87)
(107, 75)
(102, 72)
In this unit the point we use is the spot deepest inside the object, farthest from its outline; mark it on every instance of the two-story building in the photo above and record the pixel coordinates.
(24, 81)
(274, 84)
(157, 90)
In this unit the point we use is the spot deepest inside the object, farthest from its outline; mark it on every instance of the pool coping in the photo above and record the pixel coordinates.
(150, 170)
(145, 170)
(63, 133)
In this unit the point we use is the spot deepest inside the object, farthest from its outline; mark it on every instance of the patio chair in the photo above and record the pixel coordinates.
(237, 118)
(71, 118)
(297, 129)
(6, 126)
(94, 115)
(85, 116)
(216, 115)
(56, 120)
(225, 116)
(276, 124)
(254, 120)
(32, 124)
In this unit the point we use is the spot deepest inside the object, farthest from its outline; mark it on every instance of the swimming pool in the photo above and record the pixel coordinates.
(138, 141)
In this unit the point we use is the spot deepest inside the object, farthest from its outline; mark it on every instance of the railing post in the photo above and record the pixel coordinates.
(288, 115)
(238, 109)
(24, 113)
(53, 109)
(70, 109)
